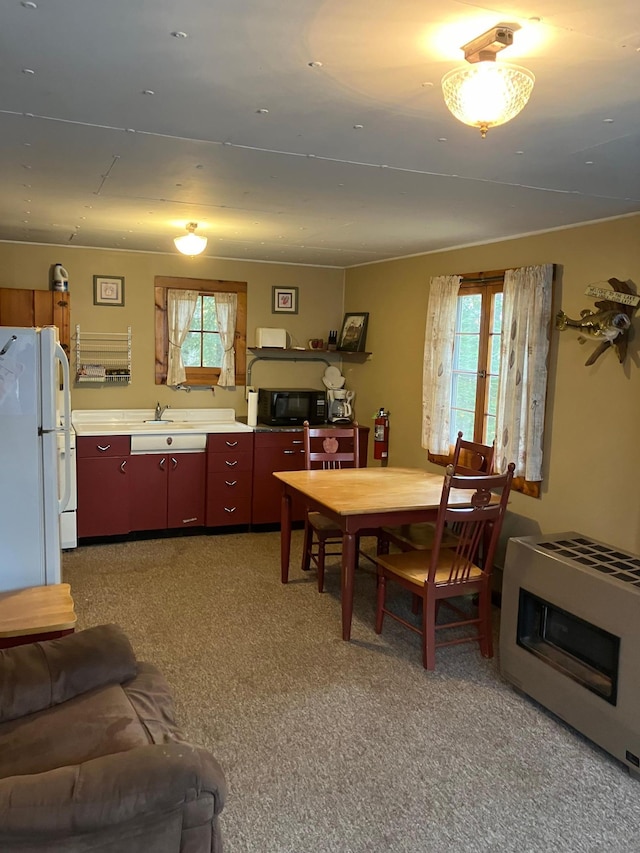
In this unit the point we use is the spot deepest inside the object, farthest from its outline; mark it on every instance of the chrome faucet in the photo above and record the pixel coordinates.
(160, 410)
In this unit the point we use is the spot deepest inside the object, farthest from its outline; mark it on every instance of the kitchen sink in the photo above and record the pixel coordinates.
(192, 423)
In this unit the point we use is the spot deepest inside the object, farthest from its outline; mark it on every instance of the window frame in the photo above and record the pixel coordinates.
(202, 332)
(487, 292)
(200, 376)
(488, 283)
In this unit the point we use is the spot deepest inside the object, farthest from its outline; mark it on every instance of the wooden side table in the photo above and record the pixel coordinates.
(36, 613)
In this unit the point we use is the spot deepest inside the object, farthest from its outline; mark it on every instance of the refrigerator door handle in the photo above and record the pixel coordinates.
(60, 355)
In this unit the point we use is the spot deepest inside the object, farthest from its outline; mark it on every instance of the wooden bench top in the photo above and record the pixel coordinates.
(36, 609)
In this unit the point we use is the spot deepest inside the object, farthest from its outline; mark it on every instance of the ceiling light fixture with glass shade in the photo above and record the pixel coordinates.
(485, 93)
(191, 243)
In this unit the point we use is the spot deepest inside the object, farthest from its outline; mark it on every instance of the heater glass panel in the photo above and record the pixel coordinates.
(582, 651)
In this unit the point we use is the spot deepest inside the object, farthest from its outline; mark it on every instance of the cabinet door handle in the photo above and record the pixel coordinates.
(102, 449)
(229, 509)
(231, 443)
(288, 452)
(189, 520)
(174, 462)
(297, 441)
(231, 464)
(162, 461)
(231, 482)
(122, 465)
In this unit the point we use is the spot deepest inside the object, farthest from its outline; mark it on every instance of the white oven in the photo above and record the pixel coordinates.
(68, 524)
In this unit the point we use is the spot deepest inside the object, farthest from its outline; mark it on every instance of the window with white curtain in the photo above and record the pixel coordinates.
(485, 366)
(200, 331)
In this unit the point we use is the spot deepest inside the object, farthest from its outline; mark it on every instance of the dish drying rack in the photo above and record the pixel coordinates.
(103, 357)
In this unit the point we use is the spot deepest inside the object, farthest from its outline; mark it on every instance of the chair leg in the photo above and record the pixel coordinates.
(485, 627)
(320, 559)
(429, 607)
(306, 547)
(380, 602)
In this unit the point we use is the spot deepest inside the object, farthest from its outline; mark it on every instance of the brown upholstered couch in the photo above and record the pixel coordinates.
(91, 758)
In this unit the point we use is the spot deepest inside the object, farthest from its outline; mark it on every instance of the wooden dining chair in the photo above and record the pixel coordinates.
(322, 450)
(470, 459)
(445, 573)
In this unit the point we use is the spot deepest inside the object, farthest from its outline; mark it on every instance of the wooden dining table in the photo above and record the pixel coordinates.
(358, 499)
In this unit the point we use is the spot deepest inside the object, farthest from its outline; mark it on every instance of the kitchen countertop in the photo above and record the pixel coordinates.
(91, 422)
(270, 428)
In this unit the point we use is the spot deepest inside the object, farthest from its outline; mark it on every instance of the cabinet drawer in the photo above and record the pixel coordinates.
(230, 461)
(279, 459)
(230, 441)
(281, 440)
(229, 512)
(224, 486)
(102, 445)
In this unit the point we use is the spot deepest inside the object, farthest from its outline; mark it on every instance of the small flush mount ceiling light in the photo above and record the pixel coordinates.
(190, 243)
(485, 93)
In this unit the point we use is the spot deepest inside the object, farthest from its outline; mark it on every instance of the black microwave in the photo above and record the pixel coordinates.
(291, 406)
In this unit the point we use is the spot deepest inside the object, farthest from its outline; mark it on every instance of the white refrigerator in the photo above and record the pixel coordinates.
(34, 383)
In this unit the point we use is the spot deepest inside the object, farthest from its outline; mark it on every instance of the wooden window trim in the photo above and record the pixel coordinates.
(207, 376)
(472, 283)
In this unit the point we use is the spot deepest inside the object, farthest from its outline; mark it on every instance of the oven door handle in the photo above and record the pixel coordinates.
(60, 355)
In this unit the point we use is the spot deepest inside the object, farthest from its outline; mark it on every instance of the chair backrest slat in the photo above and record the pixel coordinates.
(471, 458)
(477, 525)
(322, 447)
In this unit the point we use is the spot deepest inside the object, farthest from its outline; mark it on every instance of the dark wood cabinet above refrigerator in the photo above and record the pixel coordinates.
(28, 308)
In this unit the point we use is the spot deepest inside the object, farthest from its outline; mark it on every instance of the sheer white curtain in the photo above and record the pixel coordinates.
(438, 362)
(181, 305)
(523, 369)
(226, 313)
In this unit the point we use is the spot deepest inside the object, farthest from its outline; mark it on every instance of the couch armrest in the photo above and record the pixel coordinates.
(108, 791)
(39, 675)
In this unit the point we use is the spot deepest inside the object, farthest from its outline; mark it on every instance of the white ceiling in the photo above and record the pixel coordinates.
(355, 161)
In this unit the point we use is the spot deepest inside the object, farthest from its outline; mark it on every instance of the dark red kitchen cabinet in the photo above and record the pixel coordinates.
(167, 490)
(186, 490)
(274, 451)
(149, 490)
(103, 485)
(281, 450)
(229, 479)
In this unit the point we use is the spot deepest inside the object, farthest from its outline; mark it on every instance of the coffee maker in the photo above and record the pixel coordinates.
(340, 408)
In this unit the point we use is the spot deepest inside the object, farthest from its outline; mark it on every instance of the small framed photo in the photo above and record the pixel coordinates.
(285, 300)
(108, 290)
(354, 332)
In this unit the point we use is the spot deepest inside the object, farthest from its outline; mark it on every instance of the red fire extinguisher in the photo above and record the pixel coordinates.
(381, 435)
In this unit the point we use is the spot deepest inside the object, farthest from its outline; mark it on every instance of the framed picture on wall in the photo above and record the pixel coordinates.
(108, 290)
(284, 300)
(354, 332)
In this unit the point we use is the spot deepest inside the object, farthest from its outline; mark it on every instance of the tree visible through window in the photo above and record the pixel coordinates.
(467, 378)
(202, 349)
(202, 346)
(476, 363)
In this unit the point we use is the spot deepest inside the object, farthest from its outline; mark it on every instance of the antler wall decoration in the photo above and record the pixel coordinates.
(611, 322)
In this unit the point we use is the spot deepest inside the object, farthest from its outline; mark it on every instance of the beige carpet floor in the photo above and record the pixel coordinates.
(347, 747)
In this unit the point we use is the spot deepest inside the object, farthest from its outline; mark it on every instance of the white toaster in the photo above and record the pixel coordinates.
(274, 338)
